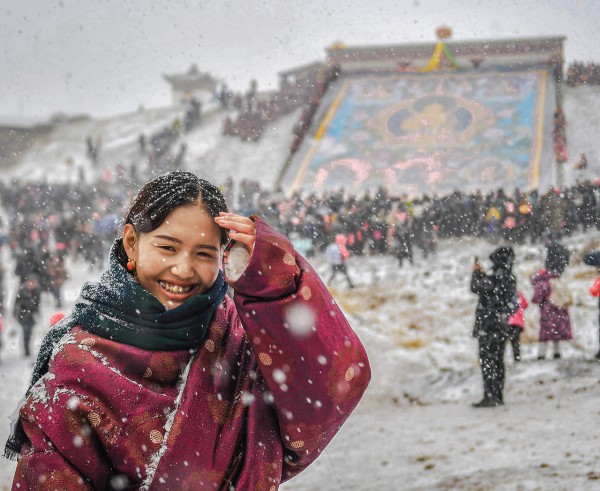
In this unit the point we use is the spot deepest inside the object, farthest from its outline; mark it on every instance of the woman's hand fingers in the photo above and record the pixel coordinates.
(235, 222)
(241, 229)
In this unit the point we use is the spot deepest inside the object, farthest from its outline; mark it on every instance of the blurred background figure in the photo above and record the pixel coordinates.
(593, 259)
(554, 297)
(57, 275)
(337, 255)
(27, 305)
(516, 323)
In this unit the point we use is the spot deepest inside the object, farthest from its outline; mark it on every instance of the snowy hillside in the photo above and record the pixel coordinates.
(415, 429)
(61, 155)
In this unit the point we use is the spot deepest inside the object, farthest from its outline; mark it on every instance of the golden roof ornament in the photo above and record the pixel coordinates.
(338, 45)
(443, 32)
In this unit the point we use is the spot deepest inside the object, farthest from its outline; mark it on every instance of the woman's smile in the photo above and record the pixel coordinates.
(177, 289)
(179, 259)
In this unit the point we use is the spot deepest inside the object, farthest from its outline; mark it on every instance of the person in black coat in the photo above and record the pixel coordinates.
(27, 306)
(497, 294)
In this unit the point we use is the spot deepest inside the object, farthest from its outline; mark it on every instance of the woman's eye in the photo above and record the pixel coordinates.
(167, 248)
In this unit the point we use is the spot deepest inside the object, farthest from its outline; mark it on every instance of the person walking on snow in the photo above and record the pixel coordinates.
(337, 255)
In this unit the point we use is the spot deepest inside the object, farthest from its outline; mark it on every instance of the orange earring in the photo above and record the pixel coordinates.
(130, 264)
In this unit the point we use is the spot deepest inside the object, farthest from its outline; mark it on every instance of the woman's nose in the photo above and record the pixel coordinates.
(183, 267)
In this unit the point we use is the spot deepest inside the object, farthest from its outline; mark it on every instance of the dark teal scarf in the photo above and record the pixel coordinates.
(118, 308)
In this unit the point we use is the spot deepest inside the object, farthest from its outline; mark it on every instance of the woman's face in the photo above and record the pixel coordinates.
(179, 259)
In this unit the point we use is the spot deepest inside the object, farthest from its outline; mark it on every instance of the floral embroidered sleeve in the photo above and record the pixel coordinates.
(313, 364)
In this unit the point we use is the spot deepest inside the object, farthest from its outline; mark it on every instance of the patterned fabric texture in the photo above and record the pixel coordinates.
(255, 405)
(555, 322)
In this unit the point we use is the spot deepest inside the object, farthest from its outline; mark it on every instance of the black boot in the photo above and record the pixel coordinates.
(488, 402)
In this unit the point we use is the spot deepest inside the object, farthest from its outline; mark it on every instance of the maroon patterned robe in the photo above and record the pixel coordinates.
(279, 373)
(555, 322)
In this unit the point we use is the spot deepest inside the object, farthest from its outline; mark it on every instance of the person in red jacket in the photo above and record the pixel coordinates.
(158, 380)
(593, 259)
(516, 323)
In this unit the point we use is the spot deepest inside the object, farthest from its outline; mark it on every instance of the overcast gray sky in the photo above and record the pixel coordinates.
(108, 57)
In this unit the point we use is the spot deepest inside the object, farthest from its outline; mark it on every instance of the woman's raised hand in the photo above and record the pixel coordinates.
(241, 229)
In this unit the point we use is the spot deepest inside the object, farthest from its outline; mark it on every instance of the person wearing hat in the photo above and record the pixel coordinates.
(497, 293)
(553, 295)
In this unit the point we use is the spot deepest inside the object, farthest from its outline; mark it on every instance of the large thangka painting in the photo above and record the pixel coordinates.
(419, 134)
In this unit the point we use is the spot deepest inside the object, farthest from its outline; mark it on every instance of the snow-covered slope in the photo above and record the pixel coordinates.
(415, 428)
(217, 157)
(62, 154)
(59, 155)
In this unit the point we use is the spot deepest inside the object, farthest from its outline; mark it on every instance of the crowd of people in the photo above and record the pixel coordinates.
(254, 116)
(254, 112)
(46, 223)
(43, 225)
(580, 73)
(382, 224)
(559, 136)
(313, 100)
(159, 149)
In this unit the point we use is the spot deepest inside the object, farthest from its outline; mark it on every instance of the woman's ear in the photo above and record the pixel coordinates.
(129, 240)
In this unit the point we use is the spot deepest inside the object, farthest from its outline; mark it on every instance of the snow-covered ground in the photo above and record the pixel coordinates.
(415, 428)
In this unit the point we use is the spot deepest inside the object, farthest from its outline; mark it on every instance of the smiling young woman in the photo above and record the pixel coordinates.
(179, 259)
(159, 380)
